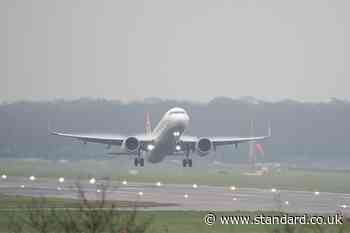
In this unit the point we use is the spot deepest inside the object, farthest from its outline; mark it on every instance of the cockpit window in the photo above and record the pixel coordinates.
(177, 112)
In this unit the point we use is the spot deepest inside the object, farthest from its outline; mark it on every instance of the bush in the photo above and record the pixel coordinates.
(87, 217)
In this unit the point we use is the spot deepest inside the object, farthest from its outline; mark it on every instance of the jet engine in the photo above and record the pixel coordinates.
(131, 144)
(203, 147)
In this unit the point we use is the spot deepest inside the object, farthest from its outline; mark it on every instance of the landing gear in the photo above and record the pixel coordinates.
(138, 160)
(190, 162)
(187, 161)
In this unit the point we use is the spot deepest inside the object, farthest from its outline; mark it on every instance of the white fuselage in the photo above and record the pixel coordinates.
(167, 134)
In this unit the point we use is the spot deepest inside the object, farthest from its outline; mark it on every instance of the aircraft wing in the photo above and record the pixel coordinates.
(220, 141)
(95, 138)
(189, 139)
(109, 139)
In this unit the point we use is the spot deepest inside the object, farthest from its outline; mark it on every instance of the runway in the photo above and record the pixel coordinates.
(186, 196)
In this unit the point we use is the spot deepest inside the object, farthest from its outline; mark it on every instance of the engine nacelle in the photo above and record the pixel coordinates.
(204, 146)
(131, 144)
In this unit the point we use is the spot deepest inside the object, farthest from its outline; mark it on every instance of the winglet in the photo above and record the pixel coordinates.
(252, 128)
(50, 131)
(49, 127)
(148, 124)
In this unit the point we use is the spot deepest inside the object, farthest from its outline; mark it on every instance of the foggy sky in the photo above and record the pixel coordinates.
(192, 50)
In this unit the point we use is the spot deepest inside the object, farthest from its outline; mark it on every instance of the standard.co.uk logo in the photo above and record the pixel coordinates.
(210, 219)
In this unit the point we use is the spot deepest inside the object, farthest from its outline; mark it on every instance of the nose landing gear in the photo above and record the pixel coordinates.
(187, 161)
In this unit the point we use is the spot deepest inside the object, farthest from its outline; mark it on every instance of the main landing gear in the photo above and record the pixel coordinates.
(187, 161)
(138, 160)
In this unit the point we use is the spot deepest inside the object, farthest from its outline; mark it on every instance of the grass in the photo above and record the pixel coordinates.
(192, 222)
(11, 202)
(293, 179)
(36, 215)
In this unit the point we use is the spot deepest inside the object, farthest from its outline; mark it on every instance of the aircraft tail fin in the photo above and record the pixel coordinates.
(252, 156)
(256, 147)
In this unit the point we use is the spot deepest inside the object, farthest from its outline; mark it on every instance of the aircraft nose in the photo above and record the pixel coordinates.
(182, 118)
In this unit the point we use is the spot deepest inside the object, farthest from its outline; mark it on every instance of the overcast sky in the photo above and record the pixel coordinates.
(192, 50)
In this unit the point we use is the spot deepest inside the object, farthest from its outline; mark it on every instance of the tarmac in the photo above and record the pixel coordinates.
(185, 196)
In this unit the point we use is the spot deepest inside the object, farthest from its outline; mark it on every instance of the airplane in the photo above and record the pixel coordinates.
(167, 138)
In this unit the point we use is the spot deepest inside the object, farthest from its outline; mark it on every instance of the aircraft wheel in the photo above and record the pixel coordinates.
(136, 162)
(142, 162)
(184, 163)
(190, 162)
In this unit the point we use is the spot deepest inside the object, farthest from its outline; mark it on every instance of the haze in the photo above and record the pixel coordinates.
(195, 50)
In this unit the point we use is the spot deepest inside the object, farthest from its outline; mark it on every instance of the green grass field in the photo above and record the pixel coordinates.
(160, 221)
(192, 222)
(332, 181)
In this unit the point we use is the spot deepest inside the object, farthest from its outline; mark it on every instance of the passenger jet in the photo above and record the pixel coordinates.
(167, 138)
